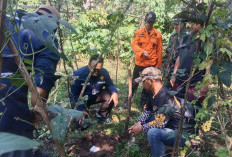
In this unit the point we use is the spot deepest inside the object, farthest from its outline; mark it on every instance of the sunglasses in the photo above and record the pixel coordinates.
(96, 70)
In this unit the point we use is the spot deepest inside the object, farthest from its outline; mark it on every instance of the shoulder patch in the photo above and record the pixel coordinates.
(102, 77)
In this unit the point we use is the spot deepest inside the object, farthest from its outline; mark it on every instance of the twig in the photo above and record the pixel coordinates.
(55, 91)
(118, 49)
(2, 36)
(129, 99)
(190, 152)
(180, 125)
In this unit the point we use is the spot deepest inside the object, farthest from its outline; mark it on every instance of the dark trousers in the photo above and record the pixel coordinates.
(20, 153)
(144, 94)
(103, 98)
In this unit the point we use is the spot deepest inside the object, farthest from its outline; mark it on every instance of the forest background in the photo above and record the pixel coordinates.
(98, 21)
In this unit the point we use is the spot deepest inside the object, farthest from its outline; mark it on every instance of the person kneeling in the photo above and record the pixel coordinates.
(161, 113)
(99, 80)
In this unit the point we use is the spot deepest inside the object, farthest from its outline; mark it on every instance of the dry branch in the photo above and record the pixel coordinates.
(129, 99)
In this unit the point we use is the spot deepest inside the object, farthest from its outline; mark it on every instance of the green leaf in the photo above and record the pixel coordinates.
(113, 16)
(185, 135)
(209, 48)
(27, 61)
(59, 125)
(211, 101)
(224, 50)
(60, 122)
(17, 80)
(67, 25)
(203, 65)
(202, 35)
(214, 69)
(222, 152)
(220, 12)
(227, 66)
(11, 142)
(225, 77)
(44, 30)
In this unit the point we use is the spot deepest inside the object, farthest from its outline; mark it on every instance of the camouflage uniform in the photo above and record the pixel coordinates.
(175, 41)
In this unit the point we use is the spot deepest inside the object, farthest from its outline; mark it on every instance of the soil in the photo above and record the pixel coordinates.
(106, 143)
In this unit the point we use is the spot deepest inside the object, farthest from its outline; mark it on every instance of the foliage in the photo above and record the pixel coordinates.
(11, 142)
(60, 122)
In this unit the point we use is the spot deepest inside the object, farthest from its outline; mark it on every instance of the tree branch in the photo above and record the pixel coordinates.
(3, 5)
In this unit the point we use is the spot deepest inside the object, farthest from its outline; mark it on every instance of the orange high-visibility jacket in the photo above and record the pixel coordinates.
(151, 43)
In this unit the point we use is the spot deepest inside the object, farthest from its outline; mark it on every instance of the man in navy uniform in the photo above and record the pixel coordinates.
(14, 100)
(99, 80)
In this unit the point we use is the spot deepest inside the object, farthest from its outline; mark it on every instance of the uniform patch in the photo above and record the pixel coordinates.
(159, 120)
(75, 77)
(102, 77)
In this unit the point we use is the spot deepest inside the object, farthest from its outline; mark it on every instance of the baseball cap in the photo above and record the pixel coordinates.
(47, 9)
(149, 73)
(178, 20)
(150, 17)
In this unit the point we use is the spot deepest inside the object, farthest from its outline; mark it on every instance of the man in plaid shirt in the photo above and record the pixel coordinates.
(161, 113)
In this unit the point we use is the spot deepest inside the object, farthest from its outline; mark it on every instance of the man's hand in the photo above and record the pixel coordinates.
(81, 121)
(145, 54)
(136, 129)
(172, 81)
(114, 98)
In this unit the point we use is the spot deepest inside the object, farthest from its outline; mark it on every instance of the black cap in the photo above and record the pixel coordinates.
(178, 20)
(150, 17)
(191, 16)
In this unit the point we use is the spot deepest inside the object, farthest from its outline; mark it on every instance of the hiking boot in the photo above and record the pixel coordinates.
(102, 119)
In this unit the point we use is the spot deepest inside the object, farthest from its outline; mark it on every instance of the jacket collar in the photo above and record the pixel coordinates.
(152, 31)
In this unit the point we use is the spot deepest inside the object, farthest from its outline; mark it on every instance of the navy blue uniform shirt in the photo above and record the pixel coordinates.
(94, 86)
(14, 101)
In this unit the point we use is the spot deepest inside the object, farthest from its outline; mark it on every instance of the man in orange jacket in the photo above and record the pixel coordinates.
(147, 45)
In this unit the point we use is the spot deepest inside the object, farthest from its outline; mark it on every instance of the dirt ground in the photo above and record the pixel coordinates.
(106, 143)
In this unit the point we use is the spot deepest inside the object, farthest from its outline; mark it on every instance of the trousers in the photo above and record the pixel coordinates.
(159, 138)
